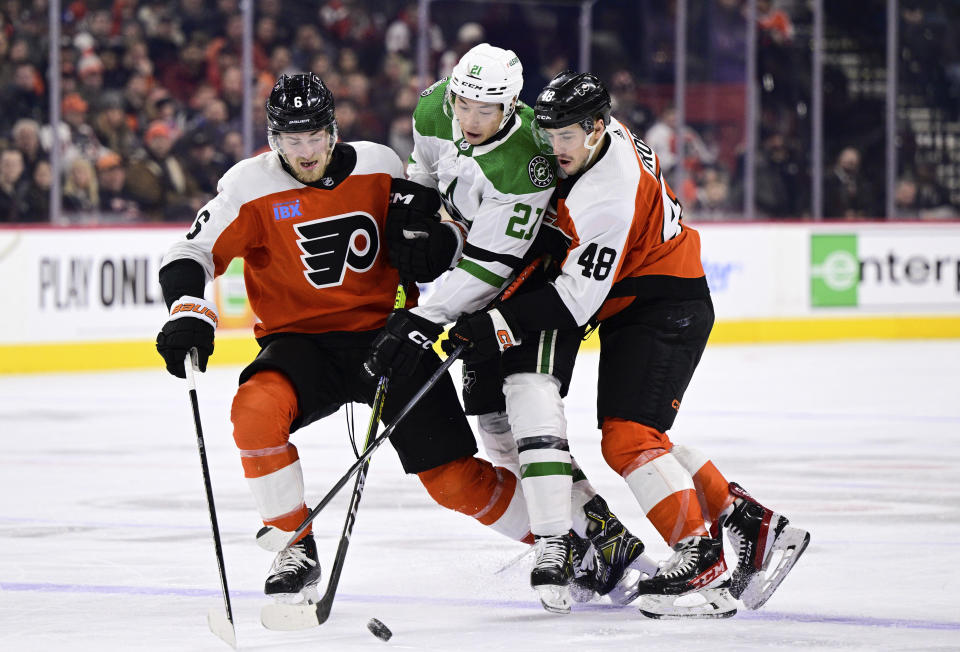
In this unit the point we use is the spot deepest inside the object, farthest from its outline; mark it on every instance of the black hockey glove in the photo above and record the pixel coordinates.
(420, 246)
(484, 335)
(401, 343)
(191, 325)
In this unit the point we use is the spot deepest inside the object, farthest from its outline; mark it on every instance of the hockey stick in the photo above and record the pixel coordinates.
(274, 539)
(220, 623)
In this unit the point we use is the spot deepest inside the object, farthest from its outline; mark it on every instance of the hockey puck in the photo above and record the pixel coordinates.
(379, 630)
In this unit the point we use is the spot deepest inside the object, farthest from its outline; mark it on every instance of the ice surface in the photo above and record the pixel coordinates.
(105, 541)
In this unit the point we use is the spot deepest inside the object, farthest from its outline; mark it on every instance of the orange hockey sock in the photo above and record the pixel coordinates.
(474, 487)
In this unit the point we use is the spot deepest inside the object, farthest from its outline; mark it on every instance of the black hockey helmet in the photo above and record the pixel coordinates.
(570, 98)
(300, 102)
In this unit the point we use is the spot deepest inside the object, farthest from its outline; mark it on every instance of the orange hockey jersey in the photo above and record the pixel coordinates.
(314, 258)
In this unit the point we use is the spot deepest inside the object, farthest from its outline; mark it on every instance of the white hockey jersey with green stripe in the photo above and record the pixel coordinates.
(497, 191)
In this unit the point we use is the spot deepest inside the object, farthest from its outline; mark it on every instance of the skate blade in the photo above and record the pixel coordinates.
(222, 626)
(625, 591)
(788, 547)
(705, 603)
(555, 599)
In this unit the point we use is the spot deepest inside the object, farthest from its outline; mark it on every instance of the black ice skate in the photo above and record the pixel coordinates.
(295, 573)
(767, 548)
(590, 571)
(553, 571)
(622, 552)
(693, 583)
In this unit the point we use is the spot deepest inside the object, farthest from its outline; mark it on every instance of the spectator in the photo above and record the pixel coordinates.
(115, 197)
(13, 188)
(82, 136)
(662, 138)
(307, 44)
(81, 193)
(847, 192)
(932, 196)
(26, 138)
(905, 199)
(778, 183)
(112, 126)
(158, 181)
(90, 76)
(38, 194)
(713, 194)
(23, 99)
(185, 75)
(623, 92)
(202, 161)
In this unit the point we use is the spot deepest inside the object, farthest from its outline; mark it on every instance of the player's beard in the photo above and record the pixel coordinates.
(311, 173)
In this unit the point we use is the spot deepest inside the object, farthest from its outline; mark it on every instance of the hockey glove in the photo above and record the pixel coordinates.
(483, 334)
(420, 246)
(401, 343)
(191, 325)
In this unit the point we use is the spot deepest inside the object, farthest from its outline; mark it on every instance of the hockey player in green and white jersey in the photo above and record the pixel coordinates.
(474, 151)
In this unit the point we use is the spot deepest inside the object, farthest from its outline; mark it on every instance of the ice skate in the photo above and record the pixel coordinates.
(553, 571)
(295, 573)
(590, 571)
(767, 548)
(622, 552)
(693, 583)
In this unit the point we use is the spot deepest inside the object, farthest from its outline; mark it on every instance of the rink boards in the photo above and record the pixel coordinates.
(88, 298)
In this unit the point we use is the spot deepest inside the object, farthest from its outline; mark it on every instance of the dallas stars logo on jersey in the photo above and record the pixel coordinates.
(540, 171)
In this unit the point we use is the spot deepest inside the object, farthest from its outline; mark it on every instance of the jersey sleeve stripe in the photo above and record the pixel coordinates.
(481, 273)
(479, 253)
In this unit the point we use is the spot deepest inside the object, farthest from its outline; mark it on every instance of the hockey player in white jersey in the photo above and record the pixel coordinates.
(634, 268)
(473, 143)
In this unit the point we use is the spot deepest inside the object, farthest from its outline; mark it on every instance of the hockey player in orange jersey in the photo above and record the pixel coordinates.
(307, 218)
(634, 268)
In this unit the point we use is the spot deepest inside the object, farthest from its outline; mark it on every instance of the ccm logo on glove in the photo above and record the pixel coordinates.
(420, 339)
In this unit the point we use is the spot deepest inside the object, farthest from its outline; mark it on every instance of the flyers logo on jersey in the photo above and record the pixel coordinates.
(332, 244)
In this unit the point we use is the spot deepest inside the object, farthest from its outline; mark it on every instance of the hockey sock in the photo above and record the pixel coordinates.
(535, 410)
(662, 487)
(262, 411)
(712, 487)
(498, 442)
(490, 494)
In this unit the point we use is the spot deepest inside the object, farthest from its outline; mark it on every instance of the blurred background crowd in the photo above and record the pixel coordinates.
(152, 94)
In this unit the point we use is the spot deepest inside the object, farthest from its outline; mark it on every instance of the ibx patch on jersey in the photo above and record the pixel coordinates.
(540, 171)
(332, 244)
(286, 209)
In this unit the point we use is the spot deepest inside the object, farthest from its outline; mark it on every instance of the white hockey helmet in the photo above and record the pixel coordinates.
(487, 73)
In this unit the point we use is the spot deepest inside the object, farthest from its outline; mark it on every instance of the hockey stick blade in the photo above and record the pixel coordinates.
(221, 626)
(289, 617)
(274, 539)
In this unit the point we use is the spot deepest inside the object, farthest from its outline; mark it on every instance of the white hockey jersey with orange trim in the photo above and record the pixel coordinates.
(624, 223)
(314, 258)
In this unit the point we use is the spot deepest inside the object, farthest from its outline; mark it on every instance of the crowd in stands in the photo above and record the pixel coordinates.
(152, 95)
